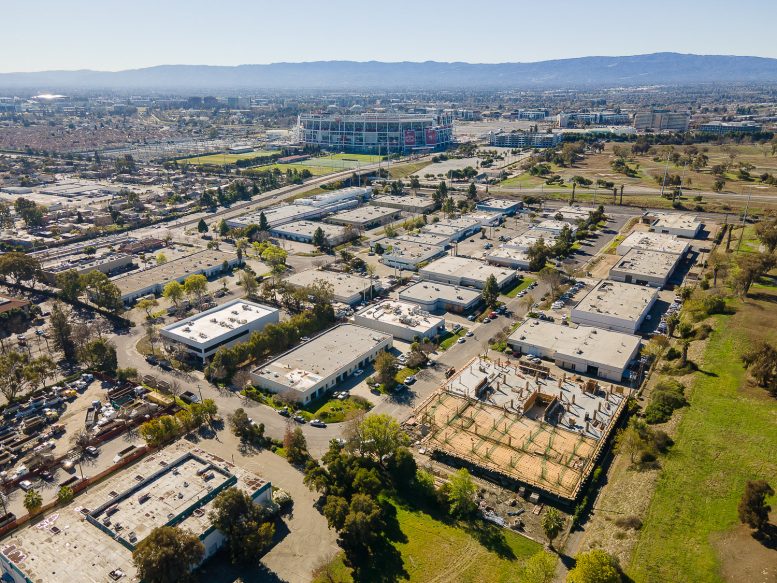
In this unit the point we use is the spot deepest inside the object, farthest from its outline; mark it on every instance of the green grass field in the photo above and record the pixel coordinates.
(525, 282)
(436, 550)
(452, 338)
(726, 437)
(221, 159)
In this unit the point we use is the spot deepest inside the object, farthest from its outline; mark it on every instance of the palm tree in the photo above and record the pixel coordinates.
(552, 523)
(33, 501)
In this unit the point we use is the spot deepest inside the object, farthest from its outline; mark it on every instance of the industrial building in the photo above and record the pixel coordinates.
(652, 242)
(453, 229)
(526, 428)
(463, 271)
(643, 267)
(404, 321)
(554, 227)
(303, 232)
(511, 257)
(520, 139)
(613, 305)
(204, 333)
(440, 297)
(679, 225)
(570, 213)
(605, 118)
(662, 120)
(406, 202)
(348, 288)
(405, 254)
(91, 539)
(377, 133)
(365, 217)
(311, 369)
(208, 262)
(82, 264)
(587, 350)
(424, 239)
(507, 206)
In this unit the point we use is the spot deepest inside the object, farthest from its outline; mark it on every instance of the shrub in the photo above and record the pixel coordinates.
(668, 395)
(629, 522)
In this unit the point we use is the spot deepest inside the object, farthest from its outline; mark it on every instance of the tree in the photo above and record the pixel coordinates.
(202, 226)
(65, 495)
(167, 555)
(386, 368)
(753, 509)
(539, 568)
(62, 332)
(161, 258)
(146, 305)
(223, 228)
(100, 355)
(472, 192)
(461, 494)
(319, 239)
(102, 291)
(263, 224)
(30, 212)
(629, 441)
(595, 566)
(381, 436)
(761, 362)
(196, 285)
(174, 292)
(766, 231)
(19, 267)
(33, 501)
(296, 446)
(248, 282)
(538, 254)
(245, 524)
(552, 277)
(749, 268)
(490, 293)
(552, 524)
(69, 284)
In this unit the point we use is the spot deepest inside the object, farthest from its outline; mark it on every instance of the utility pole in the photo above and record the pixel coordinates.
(666, 171)
(744, 219)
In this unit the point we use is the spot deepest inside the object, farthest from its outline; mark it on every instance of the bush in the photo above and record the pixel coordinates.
(672, 354)
(629, 522)
(668, 395)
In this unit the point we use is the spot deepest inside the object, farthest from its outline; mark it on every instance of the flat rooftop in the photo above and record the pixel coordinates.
(306, 365)
(655, 242)
(307, 228)
(276, 215)
(401, 314)
(620, 300)
(677, 221)
(613, 349)
(175, 269)
(525, 240)
(466, 268)
(650, 263)
(410, 250)
(573, 213)
(171, 486)
(494, 415)
(501, 203)
(219, 321)
(364, 214)
(430, 291)
(403, 200)
(345, 284)
(424, 238)
(552, 225)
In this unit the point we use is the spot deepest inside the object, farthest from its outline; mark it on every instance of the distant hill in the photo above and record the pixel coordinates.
(657, 68)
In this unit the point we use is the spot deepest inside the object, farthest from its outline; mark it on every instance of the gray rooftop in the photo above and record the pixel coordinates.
(650, 263)
(619, 300)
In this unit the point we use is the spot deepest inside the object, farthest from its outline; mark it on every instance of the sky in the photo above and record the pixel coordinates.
(109, 35)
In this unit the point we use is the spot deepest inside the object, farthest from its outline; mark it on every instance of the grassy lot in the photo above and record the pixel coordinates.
(726, 437)
(450, 338)
(314, 170)
(362, 158)
(404, 373)
(327, 409)
(221, 159)
(431, 549)
(526, 282)
(407, 169)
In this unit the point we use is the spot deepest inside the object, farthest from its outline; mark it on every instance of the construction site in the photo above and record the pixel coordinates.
(520, 425)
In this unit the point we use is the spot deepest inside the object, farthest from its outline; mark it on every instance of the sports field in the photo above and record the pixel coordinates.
(222, 159)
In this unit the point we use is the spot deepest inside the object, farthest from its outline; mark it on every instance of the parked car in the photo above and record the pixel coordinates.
(92, 451)
(300, 419)
(410, 380)
(469, 334)
(461, 340)
(471, 318)
(25, 485)
(188, 397)
(486, 320)
(284, 412)
(317, 423)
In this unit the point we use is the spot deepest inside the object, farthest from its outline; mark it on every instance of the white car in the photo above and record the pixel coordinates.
(461, 340)
(358, 372)
(25, 485)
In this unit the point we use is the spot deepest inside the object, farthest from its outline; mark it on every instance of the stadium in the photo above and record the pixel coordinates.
(377, 133)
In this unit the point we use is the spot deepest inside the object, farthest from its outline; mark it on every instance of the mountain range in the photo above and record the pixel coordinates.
(636, 70)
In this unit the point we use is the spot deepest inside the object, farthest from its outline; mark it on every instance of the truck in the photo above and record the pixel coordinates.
(91, 416)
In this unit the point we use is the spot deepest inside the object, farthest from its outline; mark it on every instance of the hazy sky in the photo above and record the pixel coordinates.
(111, 35)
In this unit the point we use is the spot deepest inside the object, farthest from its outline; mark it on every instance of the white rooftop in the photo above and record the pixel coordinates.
(500, 203)
(364, 214)
(427, 291)
(344, 285)
(466, 268)
(654, 242)
(220, 321)
(307, 228)
(401, 314)
(677, 221)
(619, 300)
(644, 262)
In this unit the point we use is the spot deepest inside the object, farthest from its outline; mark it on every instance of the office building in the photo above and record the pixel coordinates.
(723, 128)
(407, 254)
(347, 288)
(365, 217)
(441, 297)
(311, 369)
(404, 321)
(462, 271)
(643, 267)
(304, 231)
(406, 202)
(521, 139)
(453, 229)
(679, 225)
(613, 305)
(653, 242)
(662, 120)
(507, 206)
(203, 334)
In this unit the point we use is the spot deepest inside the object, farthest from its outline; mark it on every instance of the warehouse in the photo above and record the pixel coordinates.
(644, 267)
(309, 370)
(348, 289)
(277, 216)
(506, 206)
(573, 214)
(365, 217)
(509, 257)
(303, 232)
(204, 333)
(406, 202)
(83, 264)
(584, 349)
(679, 225)
(453, 229)
(464, 271)
(554, 227)
(404, 321)
(406, 254)
(617, 306)
(440, 297)
(653, 242)
(208, 262)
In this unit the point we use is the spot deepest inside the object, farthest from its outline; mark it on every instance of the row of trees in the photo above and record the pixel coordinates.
(96, 285)
(165, 428)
